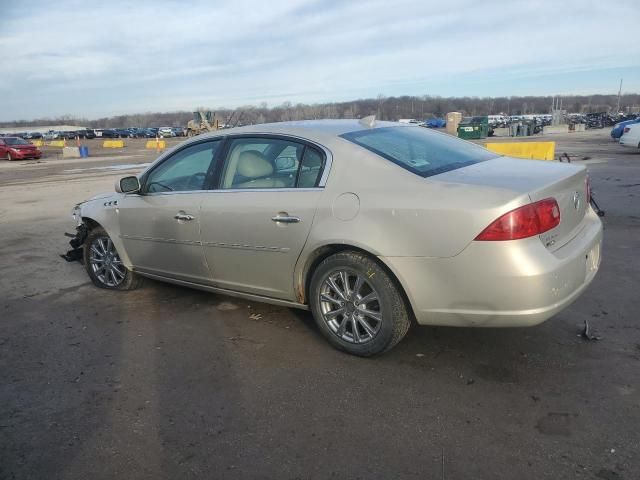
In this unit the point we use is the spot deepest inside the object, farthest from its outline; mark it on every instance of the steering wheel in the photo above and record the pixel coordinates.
(196, 181)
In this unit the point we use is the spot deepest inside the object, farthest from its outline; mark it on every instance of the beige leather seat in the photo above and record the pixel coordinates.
(252, 164)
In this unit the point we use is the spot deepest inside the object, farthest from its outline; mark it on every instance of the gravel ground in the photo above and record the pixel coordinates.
(166, 382)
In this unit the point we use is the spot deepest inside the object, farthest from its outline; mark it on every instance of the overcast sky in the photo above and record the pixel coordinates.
(106, 58)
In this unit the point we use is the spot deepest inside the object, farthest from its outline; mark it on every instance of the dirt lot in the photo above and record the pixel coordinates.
(165, 382)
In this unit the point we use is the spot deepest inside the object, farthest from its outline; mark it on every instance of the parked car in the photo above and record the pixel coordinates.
(109, 133)
(124, 133)
(89, 134)
(367, 224)
(618, 128)
(436, 123)
(142, 133)
(16, 148)
(166, 132)
(631, 136)
(33, 136)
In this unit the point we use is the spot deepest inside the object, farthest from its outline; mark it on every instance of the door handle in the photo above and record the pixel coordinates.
(284, 218)
(183, 216)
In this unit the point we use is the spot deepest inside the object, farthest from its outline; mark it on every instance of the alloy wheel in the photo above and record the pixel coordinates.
(105, 262)
(350, 306)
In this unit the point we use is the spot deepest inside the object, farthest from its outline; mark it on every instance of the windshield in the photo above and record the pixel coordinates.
(15, 141)
(419, 150)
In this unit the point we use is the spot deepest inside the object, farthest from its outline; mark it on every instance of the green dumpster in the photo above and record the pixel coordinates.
(473, 128)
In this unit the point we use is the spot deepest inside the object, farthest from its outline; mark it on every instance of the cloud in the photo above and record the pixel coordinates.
(122, 56)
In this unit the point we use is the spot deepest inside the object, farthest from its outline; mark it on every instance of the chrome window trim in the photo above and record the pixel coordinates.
(231, 190)
(282, 189)
(169, 153)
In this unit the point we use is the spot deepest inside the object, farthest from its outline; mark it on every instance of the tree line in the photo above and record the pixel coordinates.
(383, 107)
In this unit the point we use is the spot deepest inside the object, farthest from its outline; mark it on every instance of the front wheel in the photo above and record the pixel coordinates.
(357, 305)
(103, 264)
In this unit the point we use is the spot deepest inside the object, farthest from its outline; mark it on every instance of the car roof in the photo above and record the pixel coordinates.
(310, 128)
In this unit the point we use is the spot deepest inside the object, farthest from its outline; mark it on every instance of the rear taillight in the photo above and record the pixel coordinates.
(523, 222)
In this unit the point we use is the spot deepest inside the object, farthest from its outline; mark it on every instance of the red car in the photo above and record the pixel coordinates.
(15, 148)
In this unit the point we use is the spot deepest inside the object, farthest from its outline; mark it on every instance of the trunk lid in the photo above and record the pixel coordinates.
(539, 180)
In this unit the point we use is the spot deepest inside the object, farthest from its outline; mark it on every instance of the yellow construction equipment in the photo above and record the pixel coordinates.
(203, 121)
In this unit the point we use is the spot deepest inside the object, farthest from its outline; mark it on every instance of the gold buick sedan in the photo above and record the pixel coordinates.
(370, 225)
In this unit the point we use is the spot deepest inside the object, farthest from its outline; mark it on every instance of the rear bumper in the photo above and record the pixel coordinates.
(501, 284)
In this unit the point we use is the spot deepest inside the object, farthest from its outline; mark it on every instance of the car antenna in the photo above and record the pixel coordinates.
(368, 122)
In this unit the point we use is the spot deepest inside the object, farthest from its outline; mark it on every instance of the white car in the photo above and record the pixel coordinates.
(166, 132)
(631, 136)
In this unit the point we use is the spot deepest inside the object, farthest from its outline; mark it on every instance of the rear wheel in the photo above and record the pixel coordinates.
(357, 305)
(103, 264)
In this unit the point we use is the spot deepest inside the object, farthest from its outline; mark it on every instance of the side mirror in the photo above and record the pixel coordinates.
(128, 185)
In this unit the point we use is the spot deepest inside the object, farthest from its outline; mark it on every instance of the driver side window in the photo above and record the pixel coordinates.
(185, 171)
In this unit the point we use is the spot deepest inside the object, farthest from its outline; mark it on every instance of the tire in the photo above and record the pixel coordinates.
(115, 276)
(376, 309)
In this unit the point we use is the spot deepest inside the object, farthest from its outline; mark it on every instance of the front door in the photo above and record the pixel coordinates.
(160, 226)
(255, 225)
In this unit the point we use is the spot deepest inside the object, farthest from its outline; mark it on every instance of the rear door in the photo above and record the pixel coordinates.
(254, 226)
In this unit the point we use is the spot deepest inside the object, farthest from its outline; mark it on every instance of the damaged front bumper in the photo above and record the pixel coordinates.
(77, 239)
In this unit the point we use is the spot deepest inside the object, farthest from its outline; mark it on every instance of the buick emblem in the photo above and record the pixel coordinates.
(576, 200)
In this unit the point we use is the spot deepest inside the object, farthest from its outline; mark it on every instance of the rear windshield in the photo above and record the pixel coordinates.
(419, 150)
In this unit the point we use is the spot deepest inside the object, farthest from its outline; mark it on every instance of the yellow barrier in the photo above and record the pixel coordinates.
(530, 150)
(57, 143)
(37, 143)
(113, 144)
(152, 144)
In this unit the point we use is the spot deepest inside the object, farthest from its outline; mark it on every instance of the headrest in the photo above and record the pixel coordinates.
(252, 164)
(312, 159)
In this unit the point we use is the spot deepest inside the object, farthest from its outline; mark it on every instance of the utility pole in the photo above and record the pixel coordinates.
(619, 93)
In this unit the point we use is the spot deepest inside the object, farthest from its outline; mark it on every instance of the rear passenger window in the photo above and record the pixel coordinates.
(266, 163)
(310, 169)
